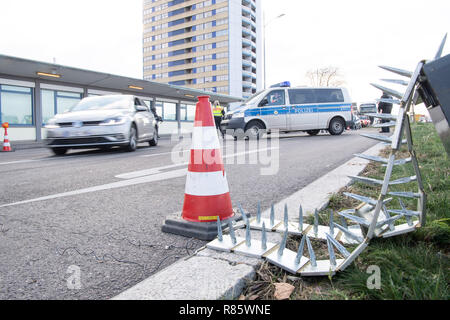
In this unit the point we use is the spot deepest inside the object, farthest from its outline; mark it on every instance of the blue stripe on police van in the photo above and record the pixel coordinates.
(297, 109)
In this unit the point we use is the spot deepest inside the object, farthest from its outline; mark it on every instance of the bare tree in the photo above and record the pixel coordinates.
(325, 77)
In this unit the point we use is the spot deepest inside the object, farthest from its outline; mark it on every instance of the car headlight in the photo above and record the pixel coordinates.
(113, 121)
(51, 124)
(239, 115)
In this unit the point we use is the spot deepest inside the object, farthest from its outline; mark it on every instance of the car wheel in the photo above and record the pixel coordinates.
(337, 126)
(132, 143)
(154, 141)
(313, 132)
(254, 130)
(59, 151)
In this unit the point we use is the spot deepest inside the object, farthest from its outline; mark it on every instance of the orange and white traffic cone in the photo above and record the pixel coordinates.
(207, 195)
(6, 144)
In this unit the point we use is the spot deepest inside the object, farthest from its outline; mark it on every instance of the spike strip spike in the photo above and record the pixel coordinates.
(396, 81)
(258, 213)
(387, 221)
(338, 246)
(301, 247)
(219, 230)
(387, 216)
(231, 230)
(392, 92)
(350, 234)
(331, 253)
(356, 219)
(286, 217)
(312, 255)
(282, 245)
(393, 101)
(404, 210)
(248, 236)
(263, 237)
(405, 213)
(401, 72)
(331, 222)
(410, 195)
(272, 215)
(384, 116)
(343, 222)
(300, 219)
(316, 222)
(441, 48)
(244, 216)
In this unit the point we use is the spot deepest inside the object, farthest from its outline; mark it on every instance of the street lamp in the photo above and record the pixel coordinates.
(265, 25)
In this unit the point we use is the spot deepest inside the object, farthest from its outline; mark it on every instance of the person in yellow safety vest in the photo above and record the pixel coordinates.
(219, 113)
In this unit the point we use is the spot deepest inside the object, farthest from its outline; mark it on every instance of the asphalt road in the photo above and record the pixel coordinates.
(101, 214)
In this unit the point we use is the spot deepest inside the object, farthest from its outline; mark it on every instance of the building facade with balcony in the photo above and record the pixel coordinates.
(213, 45)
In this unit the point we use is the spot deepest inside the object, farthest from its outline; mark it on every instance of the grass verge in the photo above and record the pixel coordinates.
(414, 266)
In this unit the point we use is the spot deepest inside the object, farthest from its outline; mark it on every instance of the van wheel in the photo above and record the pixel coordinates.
(313, 132)
(59, 151)
(254, 130)
(337, 126)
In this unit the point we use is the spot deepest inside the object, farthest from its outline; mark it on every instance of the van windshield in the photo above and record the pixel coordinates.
(253, 99)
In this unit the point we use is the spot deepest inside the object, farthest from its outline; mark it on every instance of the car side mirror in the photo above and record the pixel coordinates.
(140, 108)
(264, 102)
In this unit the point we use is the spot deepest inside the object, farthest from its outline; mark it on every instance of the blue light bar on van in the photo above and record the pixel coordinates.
(282, 84)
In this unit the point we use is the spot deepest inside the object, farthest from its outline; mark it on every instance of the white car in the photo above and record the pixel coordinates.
(100, 122)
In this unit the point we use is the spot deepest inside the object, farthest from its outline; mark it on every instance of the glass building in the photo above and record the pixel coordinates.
(212, 45)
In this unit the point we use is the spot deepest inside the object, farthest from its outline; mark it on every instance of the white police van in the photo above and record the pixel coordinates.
(286, 109)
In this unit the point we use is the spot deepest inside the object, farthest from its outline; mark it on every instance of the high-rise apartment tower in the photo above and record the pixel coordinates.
(213, 45)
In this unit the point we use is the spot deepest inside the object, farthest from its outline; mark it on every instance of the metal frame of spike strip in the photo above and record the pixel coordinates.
(368, 220)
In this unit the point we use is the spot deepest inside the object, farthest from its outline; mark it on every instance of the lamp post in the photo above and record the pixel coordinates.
(265, 25)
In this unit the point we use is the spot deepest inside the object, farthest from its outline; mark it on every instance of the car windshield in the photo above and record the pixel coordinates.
(103, 103)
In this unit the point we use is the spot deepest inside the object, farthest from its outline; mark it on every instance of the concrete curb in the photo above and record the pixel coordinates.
(212, 275)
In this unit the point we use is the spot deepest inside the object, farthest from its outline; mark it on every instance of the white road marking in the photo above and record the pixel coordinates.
(17, 162)
(134, 178)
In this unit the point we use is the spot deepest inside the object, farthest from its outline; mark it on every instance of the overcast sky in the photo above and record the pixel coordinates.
(353, 35)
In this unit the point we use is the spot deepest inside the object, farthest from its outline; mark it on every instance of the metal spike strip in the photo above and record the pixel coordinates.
(349, 234)
(401, 72)
(282, 245)
(338, 246)
(400, 82)
(301, 248)
(219, 230)
(390, 91)
(312, 255)
(379, 137)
